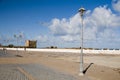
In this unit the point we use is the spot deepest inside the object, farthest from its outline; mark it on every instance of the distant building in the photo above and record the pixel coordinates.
(31, 43)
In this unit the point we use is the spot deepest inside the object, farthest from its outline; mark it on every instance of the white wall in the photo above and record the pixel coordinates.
(68, 50)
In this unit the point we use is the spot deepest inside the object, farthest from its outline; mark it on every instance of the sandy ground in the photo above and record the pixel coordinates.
(97, 67)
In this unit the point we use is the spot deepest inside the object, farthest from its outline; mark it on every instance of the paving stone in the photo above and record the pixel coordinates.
(10, 72)
(37, 71)
(41, 72)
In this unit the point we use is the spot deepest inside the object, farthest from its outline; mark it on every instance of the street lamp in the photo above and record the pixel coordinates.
(5, 49)
(17, 37)
(81, 11)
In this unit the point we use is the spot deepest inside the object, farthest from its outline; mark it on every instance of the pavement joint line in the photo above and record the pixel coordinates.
(25, 73)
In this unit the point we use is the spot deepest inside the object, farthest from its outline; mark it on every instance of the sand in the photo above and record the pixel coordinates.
(100, 67)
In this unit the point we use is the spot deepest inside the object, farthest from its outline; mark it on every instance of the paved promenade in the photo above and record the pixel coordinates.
(29, 71)
(11, 72)
(28, 65)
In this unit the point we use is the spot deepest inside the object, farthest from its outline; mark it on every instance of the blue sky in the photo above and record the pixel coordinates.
(57, 22)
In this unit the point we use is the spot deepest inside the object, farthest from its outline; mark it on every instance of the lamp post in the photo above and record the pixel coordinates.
(5, 49)
(17, 37)
(81, 11)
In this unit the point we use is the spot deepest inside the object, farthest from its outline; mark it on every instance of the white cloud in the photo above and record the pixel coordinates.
(65, 26)
(103, 17)
(70, 38)
(42, 38)
(116, 5)
(66, 30)
(99, 24)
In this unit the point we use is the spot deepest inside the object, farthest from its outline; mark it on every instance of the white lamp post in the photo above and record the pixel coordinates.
(17, 37)
(81, 11)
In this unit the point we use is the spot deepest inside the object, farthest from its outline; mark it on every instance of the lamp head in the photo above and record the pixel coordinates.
(81, 10)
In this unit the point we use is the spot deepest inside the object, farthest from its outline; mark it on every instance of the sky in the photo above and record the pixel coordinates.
(58, 23)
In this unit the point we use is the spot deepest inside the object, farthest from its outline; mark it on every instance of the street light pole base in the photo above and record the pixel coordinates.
(81, 74)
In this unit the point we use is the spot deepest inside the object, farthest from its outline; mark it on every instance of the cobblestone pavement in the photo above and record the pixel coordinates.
(30, 71)
(36, 71)
(40, 72)
(10, 72)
